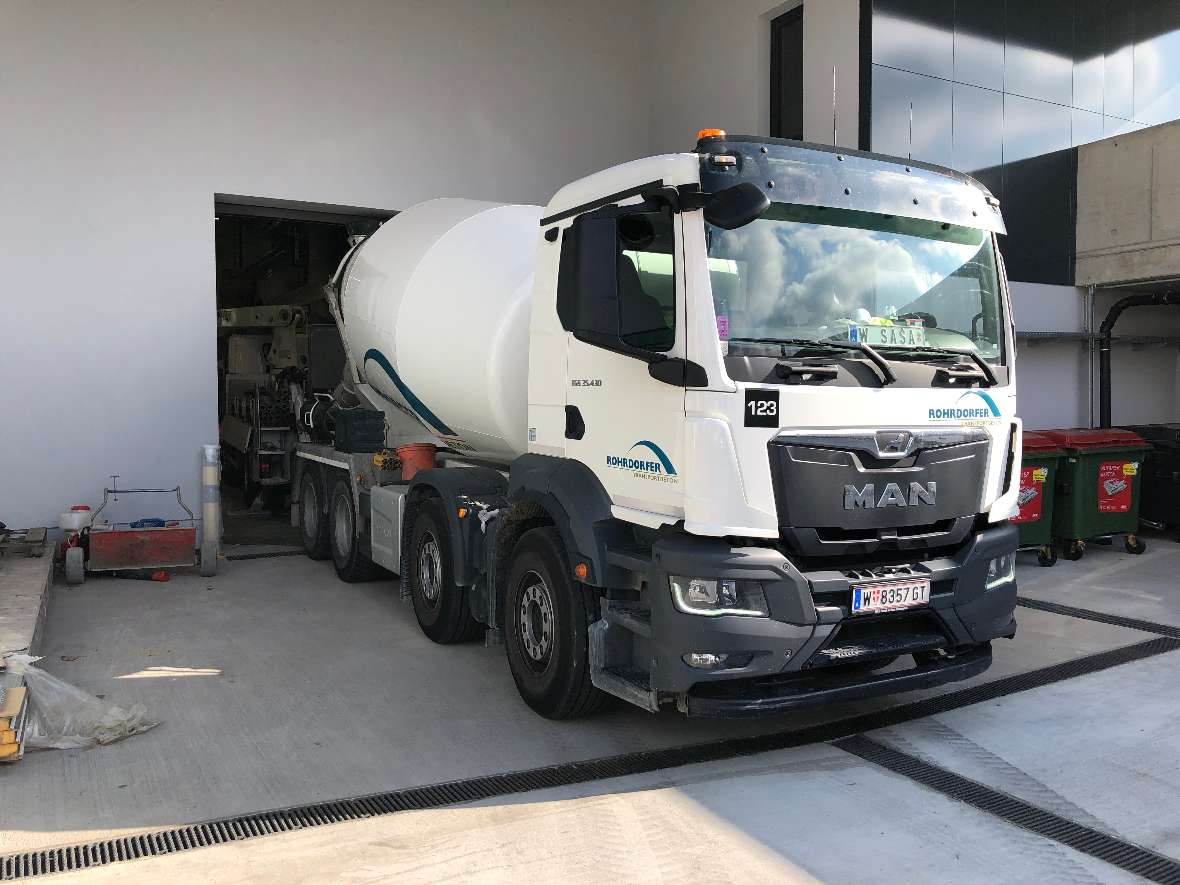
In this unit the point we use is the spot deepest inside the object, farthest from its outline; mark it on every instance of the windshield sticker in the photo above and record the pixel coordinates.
(972, 406)
(658, 470)
(722, 326)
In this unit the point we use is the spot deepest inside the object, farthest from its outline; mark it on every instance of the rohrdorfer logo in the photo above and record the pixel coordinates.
(649, 462)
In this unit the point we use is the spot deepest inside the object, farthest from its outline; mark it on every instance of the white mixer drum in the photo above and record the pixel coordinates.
(436, 310)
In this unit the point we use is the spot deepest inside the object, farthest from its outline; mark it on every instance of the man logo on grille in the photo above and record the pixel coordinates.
(866, 498)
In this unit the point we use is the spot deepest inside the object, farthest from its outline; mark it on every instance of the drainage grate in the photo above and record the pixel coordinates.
(1102, 617)
(248, 826)
(1125, 855)
(237, 557)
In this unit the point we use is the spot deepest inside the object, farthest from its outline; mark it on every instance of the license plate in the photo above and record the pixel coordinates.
(889, 596)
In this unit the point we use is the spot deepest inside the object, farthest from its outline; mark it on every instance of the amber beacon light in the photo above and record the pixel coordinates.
(710, 133)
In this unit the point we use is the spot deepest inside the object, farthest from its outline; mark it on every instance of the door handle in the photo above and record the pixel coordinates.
(575, 427)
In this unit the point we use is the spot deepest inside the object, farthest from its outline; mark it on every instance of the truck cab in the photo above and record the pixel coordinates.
(801, 411)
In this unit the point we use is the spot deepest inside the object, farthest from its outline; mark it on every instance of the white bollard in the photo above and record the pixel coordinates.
(210, 508)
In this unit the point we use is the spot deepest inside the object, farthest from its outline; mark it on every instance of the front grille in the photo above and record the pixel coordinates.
(837, 493)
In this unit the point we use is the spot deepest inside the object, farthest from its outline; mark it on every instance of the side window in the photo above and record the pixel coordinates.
(616, 284)
(647, 280)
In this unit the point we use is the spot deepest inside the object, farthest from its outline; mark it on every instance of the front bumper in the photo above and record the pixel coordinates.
(801, 654)
(758, 697)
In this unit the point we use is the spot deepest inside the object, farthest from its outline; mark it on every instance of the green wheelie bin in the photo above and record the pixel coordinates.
(1097, 491)
(1038, 475)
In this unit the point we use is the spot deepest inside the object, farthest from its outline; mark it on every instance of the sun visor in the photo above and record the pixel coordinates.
(814, 175)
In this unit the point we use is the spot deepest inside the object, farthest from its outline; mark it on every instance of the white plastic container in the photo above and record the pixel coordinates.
(76, 518)
(436, 309)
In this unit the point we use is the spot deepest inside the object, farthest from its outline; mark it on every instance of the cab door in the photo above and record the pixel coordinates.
(621, 299)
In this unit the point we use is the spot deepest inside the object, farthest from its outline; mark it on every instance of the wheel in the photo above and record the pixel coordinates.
(1075, 551)
(75, 565)
(442, 607)
(351, 565)
(1134, 544)
(313, 524)
(1047, 556)
(547, 616)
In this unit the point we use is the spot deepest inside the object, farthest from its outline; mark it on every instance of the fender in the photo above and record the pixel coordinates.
(471, 487)
(579, 506)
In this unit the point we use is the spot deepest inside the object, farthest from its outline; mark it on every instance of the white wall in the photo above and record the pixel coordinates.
(712, 68)
(1053, 377)
(121, 119)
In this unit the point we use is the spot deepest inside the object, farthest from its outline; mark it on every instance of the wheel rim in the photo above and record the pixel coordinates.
(534, 620)
(343, 534)
(429, 569)
(311, 512)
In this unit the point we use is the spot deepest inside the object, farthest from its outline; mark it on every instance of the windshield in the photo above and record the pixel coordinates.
(837, 274)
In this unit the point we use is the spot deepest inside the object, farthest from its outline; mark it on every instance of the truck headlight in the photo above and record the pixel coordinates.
(718, 596)
(1001, 570)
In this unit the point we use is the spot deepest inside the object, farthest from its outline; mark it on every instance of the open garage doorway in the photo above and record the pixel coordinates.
(276, 345)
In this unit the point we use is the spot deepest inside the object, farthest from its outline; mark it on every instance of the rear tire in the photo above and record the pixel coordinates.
(351, 565)
(313, 522)
(547, 617)
(441, 606)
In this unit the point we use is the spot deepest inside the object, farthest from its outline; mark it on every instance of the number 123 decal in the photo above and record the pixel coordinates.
(761, 408)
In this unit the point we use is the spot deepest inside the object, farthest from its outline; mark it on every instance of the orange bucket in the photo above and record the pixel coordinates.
(415, 457)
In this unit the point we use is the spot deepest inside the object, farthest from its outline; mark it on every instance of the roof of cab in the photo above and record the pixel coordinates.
(610, 185)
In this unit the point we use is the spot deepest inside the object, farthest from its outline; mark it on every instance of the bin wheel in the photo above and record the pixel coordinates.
(75, 565)
(1076, 550)
(1134, 544)
(1047, 556)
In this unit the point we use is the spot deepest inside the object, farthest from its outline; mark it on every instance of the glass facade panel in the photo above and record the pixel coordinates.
(931, 117)
(915, 35)
(978, 137)
(1118, 74)
(1032, 128)
(1023, 83)
(1087, 126)
(1157, 61)
(1089, 36)
(979, 44)
(1039, 57)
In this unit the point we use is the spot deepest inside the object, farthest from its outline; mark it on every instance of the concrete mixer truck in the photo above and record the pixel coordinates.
(731, 430)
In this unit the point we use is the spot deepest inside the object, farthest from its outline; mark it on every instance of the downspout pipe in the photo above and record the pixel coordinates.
(1104, 339)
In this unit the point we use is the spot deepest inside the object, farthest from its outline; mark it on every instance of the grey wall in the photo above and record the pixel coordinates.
(121, 120)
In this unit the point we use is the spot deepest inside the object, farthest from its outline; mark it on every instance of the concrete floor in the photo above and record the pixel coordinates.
(279, 685)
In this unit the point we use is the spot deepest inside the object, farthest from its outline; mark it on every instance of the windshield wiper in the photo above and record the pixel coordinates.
(985, 368)
(887, 374)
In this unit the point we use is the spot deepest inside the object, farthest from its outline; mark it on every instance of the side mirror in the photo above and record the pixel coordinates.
(736, 206)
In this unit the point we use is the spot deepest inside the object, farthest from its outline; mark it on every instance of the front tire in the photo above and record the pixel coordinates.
(547, 618)
(75, 566)
(351, 565)
(441, 606)
(313, 524)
